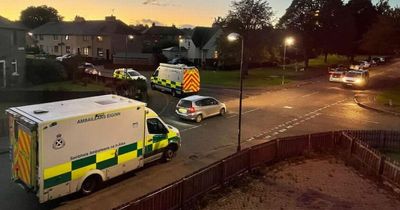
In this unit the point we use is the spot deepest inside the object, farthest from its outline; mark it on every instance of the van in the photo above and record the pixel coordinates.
(177, 79)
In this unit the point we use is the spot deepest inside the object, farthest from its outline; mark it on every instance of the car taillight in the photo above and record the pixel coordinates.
(191, 110)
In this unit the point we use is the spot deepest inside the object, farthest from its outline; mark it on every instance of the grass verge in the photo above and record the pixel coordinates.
(392, 94)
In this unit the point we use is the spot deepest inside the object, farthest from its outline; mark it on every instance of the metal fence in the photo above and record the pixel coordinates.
(185, 192)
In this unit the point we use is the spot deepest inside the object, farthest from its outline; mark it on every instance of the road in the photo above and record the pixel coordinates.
(315, 107)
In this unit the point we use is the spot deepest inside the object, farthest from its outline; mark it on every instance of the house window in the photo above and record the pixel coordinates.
(216, 54)
(40, 37)
(15, 66)
(100, 52)
(67, 49)
(55, 49)
(41, 47)
(85, 38)
(55, 37)
(66, 37)
(99, 38)
(86, 51)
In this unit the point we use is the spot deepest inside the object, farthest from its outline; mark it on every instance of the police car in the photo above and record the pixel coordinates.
(356, 78)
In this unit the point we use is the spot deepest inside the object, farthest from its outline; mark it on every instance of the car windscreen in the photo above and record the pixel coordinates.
(185, 103)
(133, 73)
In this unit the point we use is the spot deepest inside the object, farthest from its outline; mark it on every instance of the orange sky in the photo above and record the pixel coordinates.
(168, 12)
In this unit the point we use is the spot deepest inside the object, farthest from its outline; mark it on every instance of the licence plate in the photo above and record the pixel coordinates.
(182, 110)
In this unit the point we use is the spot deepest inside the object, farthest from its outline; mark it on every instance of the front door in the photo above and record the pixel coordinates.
(156, 138)
(3, 75)
(108, 54)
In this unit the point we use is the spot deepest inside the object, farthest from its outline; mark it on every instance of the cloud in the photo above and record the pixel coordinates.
(162, 3)
(149, 22)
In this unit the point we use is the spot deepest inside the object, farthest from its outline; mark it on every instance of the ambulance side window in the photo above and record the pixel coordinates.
(155, 73)
(155, 126)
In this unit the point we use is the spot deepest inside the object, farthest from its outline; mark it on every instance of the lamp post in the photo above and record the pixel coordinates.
(289, 41)
(234, 37)
(179, 46)
(127, 38)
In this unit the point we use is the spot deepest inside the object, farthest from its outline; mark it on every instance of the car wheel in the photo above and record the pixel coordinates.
(90, 184)
(199, 118)
(152, 86)
(173, 93)
(222, 112)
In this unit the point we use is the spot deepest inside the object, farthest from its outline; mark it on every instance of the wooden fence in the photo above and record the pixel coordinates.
(185, 192)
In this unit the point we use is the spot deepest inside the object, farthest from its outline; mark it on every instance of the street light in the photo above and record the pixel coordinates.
(289, 41)
(180, 42)
(127, 38)
(232, 38)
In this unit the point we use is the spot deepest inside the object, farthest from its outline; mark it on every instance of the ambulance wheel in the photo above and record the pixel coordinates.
(173, 93)
(152, 86)
(169, 154)
(199, 118)
(90, 184)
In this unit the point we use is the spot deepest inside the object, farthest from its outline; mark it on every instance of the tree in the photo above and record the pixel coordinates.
(364, 14)
(33, 17)
(301, 19)
(247, 17)
(382, 38)
(336, 30)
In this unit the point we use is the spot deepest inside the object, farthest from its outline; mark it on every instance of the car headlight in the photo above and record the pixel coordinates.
(359, 81)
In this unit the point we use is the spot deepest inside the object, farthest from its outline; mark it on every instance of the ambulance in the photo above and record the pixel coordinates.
(177, 79)
(69, 146)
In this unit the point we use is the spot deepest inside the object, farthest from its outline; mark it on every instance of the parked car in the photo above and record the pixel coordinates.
(378, 60)
(365, 64)
(128, 74)
(181, 61)
(359, 78)
(89, 68)
(336, 76)
(64, 57)
(198, 108)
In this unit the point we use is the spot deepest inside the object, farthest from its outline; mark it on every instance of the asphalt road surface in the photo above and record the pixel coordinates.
(315, 107)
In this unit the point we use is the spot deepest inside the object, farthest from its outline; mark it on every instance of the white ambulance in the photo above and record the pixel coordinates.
(63, 147)
(177, 79)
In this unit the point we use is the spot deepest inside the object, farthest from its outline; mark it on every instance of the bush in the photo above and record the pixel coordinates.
(44, 71)
(71, 66)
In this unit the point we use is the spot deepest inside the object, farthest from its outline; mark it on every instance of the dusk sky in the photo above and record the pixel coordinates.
(165, 12)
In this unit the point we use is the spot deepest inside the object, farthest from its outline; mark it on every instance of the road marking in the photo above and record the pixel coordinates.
(194, 127)
(283, 130)
(311, 94)
(232, 116)
(288, 107)
(253, 110)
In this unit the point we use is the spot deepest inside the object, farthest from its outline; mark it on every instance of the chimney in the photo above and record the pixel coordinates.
(153, 24)
(111, 18)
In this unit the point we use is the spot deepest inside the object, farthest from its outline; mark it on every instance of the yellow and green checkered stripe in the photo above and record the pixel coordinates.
(161, 141)
(76, 169)
(166, 83)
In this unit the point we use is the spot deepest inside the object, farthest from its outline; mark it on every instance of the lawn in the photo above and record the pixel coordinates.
(265, 77)
(390, 94)
(69, 86)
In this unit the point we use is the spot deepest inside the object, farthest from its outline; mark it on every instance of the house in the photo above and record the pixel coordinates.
(161, 37)
(12, 53)
(96, 39)
(201, 44)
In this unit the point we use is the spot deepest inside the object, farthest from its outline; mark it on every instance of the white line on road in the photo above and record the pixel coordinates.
(253, 110)
(194, 127)
(311, 94)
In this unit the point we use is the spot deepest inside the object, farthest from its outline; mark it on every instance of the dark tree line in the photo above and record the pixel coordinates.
(319, 27)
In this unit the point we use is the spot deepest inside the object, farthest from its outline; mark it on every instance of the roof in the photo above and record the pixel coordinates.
(195, 98)
(202, 35)
(92, 27)
(163, 30)
(76, 107)
(5, 23)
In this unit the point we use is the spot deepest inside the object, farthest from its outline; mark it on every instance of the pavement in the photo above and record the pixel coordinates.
(316, 107)
(368, 101)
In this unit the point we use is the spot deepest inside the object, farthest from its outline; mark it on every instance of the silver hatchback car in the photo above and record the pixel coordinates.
(199, 107)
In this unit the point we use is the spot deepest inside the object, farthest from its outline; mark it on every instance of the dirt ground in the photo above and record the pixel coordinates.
(303, 184)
